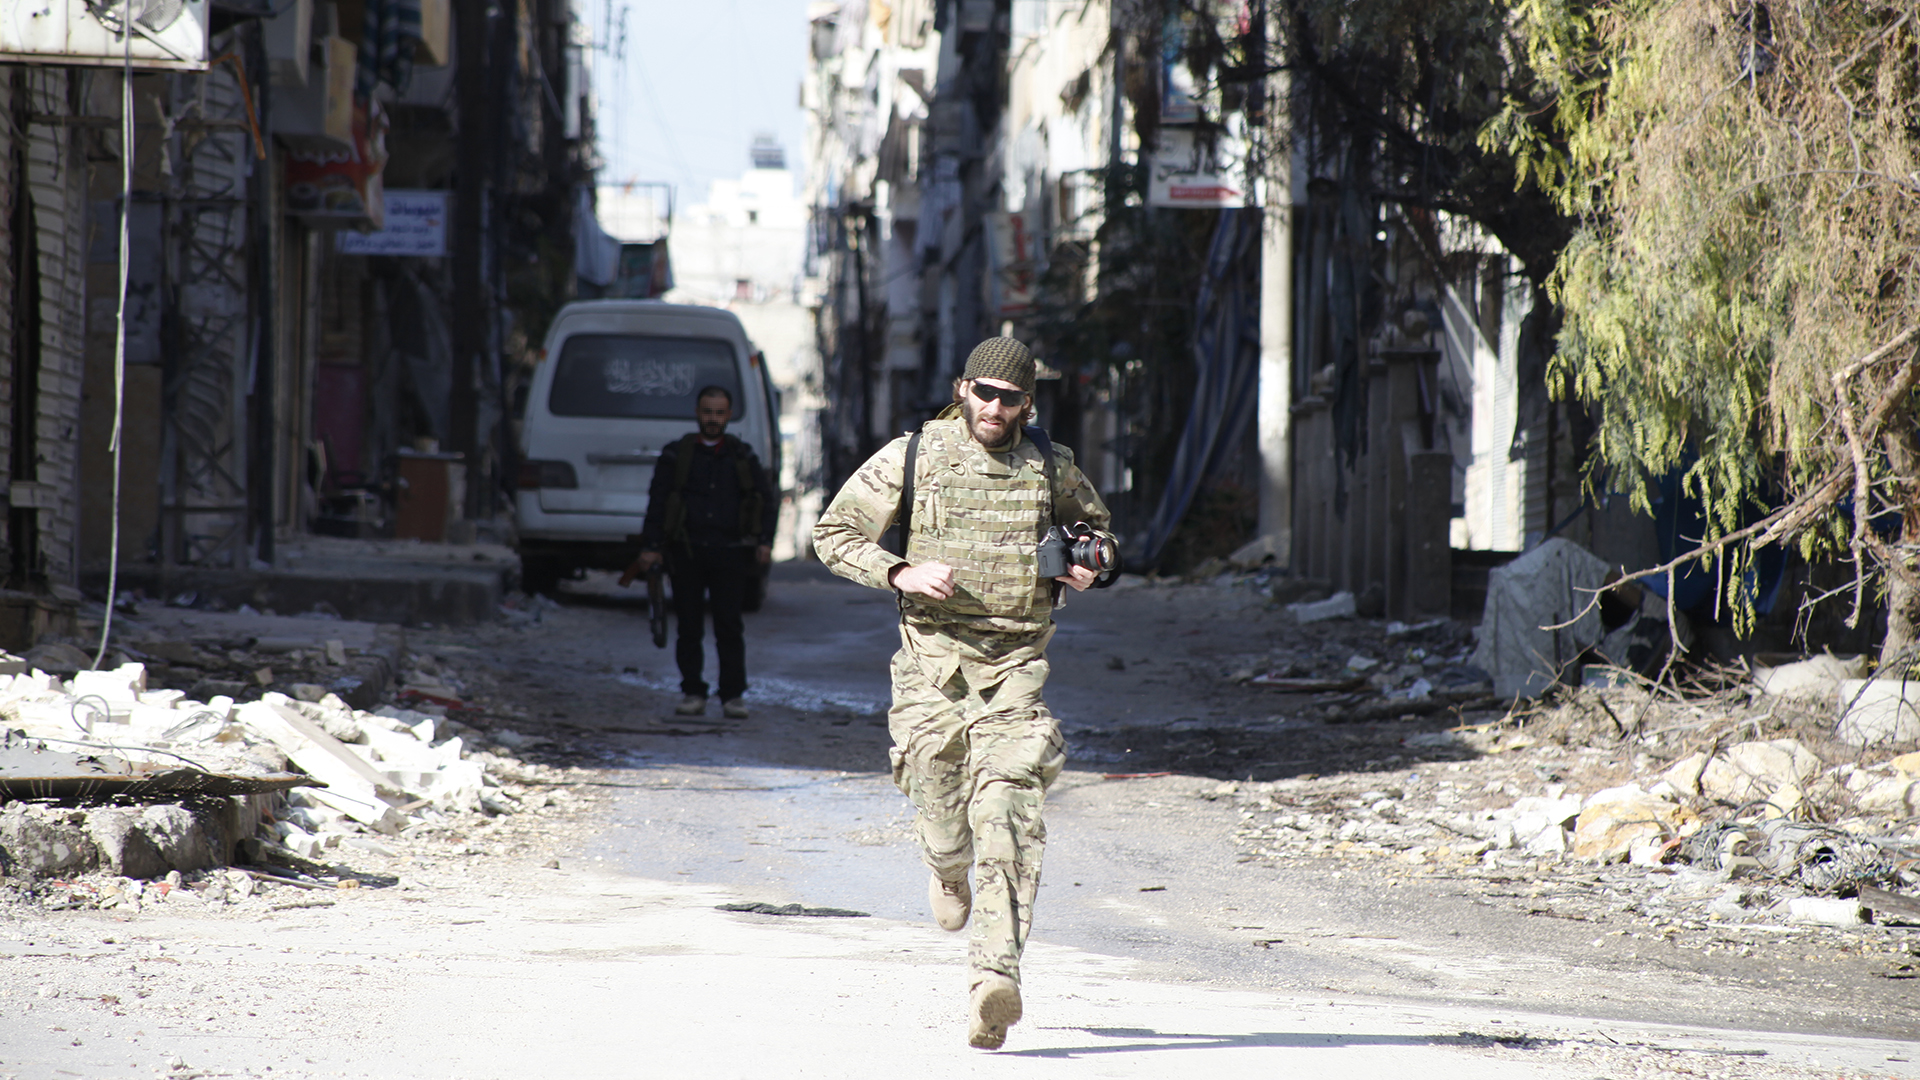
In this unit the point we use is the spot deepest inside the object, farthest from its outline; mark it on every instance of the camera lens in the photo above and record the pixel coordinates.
(1096, 553)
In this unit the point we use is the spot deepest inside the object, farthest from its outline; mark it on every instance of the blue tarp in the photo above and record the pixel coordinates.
(1226, 352)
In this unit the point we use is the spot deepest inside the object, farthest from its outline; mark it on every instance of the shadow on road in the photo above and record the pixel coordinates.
(1298, 1040)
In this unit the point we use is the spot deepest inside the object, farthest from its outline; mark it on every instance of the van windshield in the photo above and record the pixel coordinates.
(629, 377)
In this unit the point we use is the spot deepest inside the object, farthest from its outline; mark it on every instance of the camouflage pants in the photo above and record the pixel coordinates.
(976, 754)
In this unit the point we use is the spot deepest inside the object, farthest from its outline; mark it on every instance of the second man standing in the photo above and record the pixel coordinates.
(710, 515)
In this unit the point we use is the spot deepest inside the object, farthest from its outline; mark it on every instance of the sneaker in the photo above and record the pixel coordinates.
(734, 708)
(952, 901)
(996, 1007)
(691, 705)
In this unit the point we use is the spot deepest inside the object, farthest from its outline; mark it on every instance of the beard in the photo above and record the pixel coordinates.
(988, 436)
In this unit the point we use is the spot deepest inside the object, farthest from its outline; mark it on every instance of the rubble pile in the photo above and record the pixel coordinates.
(1728, 807)
(208, 777)
(241, 666)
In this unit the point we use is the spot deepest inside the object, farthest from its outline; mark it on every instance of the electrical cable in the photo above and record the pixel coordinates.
(120, 336)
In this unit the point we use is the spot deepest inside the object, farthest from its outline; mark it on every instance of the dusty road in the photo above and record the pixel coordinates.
(1167, 941)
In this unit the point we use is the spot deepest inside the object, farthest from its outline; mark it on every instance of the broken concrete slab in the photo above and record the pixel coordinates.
(1817, 677)
(32, 769)
(1747, 772)
(1340, 605)
(353, 786)
(1874, 712)
(1825, 911)
(1611, 822)
(1752, 771)
(38, 840)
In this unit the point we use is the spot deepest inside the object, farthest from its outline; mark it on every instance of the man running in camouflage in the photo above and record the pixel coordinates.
(974, 746)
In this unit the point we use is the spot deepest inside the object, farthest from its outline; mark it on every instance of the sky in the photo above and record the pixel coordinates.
(699, 80)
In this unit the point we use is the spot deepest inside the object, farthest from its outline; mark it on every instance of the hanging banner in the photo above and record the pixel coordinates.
(1193, 171)
(1013, 265)
(167, 34)
(416, 226)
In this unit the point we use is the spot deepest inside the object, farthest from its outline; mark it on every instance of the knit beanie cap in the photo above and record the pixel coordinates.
(1001, 358)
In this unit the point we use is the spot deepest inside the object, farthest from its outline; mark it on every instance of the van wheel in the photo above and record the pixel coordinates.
(756, 592)
(541, 576)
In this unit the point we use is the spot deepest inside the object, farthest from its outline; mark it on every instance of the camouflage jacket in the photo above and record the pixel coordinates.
(981, 512)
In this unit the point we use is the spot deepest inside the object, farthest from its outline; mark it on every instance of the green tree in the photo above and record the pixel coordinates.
(1743, 286)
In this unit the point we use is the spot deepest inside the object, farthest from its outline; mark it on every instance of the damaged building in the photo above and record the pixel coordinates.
(1258, 327)
(331, 278)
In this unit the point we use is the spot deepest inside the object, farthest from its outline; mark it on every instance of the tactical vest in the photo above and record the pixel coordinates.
(982, 514)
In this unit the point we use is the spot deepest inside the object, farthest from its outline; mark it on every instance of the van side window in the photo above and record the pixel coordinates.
(628, 376)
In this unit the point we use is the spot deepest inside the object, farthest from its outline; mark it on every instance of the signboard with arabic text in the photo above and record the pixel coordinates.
(416, 225)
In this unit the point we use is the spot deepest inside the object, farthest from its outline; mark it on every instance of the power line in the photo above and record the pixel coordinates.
(653, 101)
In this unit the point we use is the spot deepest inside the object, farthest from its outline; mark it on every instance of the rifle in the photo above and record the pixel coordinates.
(656, 599)
(657, 605)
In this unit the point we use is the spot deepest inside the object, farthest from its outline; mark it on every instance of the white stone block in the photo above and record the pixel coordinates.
(1338, 606)
(1825, 911)
(1874, 711)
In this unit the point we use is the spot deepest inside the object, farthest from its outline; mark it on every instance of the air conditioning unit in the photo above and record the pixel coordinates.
(168, 34)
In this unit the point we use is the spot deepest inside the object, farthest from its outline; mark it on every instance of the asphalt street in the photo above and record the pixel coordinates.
(1159, 949)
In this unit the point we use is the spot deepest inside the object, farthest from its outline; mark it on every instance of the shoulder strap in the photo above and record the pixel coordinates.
(751, 511)
(905, 515)
(683, 461)
(674, 523)
(1044, 443)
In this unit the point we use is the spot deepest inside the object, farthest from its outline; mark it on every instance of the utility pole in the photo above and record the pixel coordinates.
(1275, 407)
(472, 293)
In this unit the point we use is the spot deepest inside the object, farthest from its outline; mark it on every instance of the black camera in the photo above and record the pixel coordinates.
(1067, 546)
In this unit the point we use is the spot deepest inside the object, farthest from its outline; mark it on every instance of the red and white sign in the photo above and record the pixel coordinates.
(344, 186)
(1198, 172)
(1014, 269)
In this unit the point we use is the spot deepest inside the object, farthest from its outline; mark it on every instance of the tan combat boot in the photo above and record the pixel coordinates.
(952, 901)
(996, 1007)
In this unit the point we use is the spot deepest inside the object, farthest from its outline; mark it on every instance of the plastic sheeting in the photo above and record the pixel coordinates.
(596, 256)
(1547, 586)
(1226, 348)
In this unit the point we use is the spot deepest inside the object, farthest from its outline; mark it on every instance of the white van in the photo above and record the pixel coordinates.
(615, 385)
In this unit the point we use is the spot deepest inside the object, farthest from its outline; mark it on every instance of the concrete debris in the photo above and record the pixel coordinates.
(1257, 552)
(1613, 821)
(1875, 712)
(40, 840)
(361, 772)
(1338, 606)
(1614, 801)
(1746, 773)
(1825, 911)
(1818, 677)
(1750, 771)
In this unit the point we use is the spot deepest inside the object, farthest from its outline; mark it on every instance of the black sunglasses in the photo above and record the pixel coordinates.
(1012, 399)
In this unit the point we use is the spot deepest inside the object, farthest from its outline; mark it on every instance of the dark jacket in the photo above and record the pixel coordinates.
(711, 497)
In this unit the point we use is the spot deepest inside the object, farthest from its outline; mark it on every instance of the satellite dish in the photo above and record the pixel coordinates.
(150, 16)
